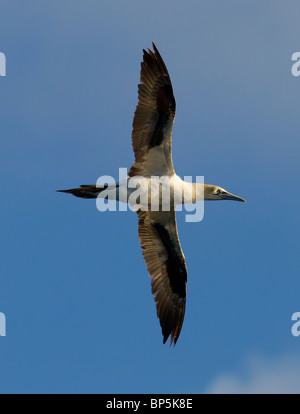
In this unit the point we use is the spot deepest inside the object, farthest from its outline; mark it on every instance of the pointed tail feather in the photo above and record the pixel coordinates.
(85, 191)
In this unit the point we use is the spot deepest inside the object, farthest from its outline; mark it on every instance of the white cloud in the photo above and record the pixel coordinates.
(262, 376)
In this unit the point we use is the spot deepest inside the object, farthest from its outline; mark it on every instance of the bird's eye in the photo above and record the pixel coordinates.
(218, 191)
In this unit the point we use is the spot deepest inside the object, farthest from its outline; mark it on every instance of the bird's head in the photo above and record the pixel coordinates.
(213, 192)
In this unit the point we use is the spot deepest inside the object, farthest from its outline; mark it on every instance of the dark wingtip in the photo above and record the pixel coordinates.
(154, 47)
(172, 341)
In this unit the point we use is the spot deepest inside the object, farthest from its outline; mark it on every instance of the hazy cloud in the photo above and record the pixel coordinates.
(262, 376)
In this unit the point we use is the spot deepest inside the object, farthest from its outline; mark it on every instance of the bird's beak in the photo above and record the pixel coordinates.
(228, 196)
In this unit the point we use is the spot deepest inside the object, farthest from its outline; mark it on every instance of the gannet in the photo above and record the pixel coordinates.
(151, 140)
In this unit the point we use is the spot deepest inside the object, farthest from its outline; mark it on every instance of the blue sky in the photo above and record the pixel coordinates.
(73, 283)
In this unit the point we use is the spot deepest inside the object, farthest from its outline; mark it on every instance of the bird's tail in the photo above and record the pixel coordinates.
(85, 191)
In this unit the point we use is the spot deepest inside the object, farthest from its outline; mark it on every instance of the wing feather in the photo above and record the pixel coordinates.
(153, 118)
(166, 265)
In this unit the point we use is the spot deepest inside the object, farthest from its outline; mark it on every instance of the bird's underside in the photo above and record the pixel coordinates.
(151, 140)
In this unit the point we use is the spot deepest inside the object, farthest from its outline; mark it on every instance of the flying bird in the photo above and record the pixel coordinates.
(151, 140)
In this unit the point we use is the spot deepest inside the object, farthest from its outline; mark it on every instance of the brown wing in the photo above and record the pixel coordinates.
(154, 117)
(166, 265)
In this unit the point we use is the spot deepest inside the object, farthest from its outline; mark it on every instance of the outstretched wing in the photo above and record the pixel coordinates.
(166, 265)
(153, 118)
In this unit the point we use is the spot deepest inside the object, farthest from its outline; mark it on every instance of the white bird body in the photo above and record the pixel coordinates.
(163, 192)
